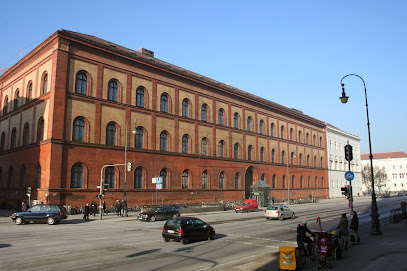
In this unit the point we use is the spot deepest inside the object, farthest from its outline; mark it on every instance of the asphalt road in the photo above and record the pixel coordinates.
(244, 241)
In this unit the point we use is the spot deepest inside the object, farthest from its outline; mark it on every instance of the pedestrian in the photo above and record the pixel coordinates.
(87, 211)
(343, 227)
(95, 208)
(118, 207)
(403, 209)
(104, 207)
(354, 226)
(24, 206)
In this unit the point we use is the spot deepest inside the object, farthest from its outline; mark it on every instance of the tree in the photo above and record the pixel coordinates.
(380, 177)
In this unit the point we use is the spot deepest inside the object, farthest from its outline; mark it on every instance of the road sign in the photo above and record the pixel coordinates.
(350, 204)
(154, 180)
(159, 180)
(159, 186)
(98, 186)
(349, 176)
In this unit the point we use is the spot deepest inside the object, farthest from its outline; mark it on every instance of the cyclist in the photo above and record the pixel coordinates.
(302, 237)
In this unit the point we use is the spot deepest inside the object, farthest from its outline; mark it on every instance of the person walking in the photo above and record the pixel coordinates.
(87, 211)
(343, 227)
(354, 226)
(104, 207)
(118, 207)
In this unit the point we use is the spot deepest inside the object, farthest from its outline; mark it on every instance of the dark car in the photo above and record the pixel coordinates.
(162, 213)
(187, 229)
(49, 213)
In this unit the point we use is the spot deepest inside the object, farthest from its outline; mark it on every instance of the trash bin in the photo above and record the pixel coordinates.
(286, 260)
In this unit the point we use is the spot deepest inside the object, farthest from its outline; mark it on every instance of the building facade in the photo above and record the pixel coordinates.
(337, 164)
(395, 165)
(68, 107)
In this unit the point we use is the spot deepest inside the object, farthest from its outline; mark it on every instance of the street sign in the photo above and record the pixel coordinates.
(98, 186)
(159, 180)
(154, 180)
(159, 186)
(349, 176)
(350, 204)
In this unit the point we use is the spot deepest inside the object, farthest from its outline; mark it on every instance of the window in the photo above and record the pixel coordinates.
(308, 160)
(293, 181)
(291, 134)
(236, 121)
(299, 136)
(316, 182)
(292, 158)
(272, 129)
(282, 157)
(5, 105)
(44, 83)
(301, 182)
(220, 119)
(163, 141)
(222, 180)
(13, 139)
(249, 152)
(139, 138)
(320, 141)
(78, 130)
(109, 177)
(185, 144)
(300, 159)
(322, 162)
(309, 181)
(249, 124)
(204, 179)
(30, 91)
(112, 91)
(10, 177)
(282, 131)
(315, 161)
(16, 98)
(185, 179)
(3, 142)
(221, 148)
(262, 154)
(306, 138)
(26, 134)
(111, 134)
(204, 146)
(273, 183)
(164, 103)
(163, 176)
(81, 83)
(283, 181)
(138, 178)
(38, 176)
(204, 113)
(237, 177)
(261, 126)
(140, 97)
(236, 151)
(23, 176)
(322, 182)
(76, 176)
(314, 140)
(40, 131)
(185, 108)
(273, 155)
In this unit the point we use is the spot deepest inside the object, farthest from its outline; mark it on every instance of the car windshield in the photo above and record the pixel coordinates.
(174, 223)
(273, 208)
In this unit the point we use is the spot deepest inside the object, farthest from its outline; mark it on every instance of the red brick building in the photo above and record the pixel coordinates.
(67, 105)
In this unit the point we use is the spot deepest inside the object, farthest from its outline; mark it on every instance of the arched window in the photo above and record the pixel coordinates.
(236, 151)
(299, 136)
(322, 182)
(185, 179)
(40, 131)
(263, 176)
(76, 176)
(109, 177)
(111, 134)
(237, 177)
(249, 123)
(282, 157)
(185, 144)
(204, 146)
(221, 148)
(164, 103)
(309, 181)
(44, 83)
(185, 108)
(23, 176)
(38, 176)
(301, 182)
(112, 91)
(316, 182)
(282, 131)
(273, 155)
(273, 183)
(79, 129)
(320, 141)
(308, 160)
(30, 91)
(81, 83)
(3, 141)
(10, 177)
(204, 179)
(314, 140)
(163, 176)
(291, 134)
(293, 181)
(292, 158)
(222, 180)
(138, 178)
(249, 152)
(13, 139)
(262, 154)
(315, 161)
(163, 141)
(272, 129)
(236, 121)
(26, 134)
(322, 162)
(140, 97)
(139, 140)
(283, 181)
(300, 159)
(220, 119)
(16, 98)
(5, 105)
(261, 126)
(307, 138)
(204, 112)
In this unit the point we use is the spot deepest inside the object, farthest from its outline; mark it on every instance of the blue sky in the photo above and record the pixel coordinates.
(293, 53)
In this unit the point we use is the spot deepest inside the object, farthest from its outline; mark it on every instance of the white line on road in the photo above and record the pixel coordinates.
(47, 244)
(39, 256)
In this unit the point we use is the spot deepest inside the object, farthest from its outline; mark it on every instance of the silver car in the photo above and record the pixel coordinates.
(278, 212)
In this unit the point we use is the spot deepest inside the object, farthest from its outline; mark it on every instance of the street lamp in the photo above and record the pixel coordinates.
(125, 168)
(288, 177)
(374, 215)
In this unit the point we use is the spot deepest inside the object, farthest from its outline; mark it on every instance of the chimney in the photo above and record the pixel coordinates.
(146, 52)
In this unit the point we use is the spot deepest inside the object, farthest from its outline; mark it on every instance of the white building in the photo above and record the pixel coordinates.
(337, 165)
(395, 164)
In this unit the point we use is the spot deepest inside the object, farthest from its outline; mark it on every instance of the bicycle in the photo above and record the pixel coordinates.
(306, 250)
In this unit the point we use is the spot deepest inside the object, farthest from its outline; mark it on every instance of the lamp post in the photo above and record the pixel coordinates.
(288, 178)
(125, 168)
(374, 215)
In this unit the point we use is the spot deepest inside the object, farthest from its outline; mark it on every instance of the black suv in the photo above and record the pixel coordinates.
(159, 214)
(187, 229)
(50, 213)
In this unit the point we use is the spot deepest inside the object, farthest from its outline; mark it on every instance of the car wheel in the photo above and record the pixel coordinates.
(281, 218)
(166, 239)
(152, 219)
(293, 216)
(211, 236)
(267, 218)
(175, 216)
(185, 240)
(51, 221)
(19, 221)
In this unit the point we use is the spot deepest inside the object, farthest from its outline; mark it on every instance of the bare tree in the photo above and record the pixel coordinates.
(380, 177)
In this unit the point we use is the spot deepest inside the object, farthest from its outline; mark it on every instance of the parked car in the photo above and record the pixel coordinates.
(248, 205)
(278, 212)
(49, 213)
(162, 213)
(187, 229)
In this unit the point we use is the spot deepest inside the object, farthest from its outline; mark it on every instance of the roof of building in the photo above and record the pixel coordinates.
(385, 155)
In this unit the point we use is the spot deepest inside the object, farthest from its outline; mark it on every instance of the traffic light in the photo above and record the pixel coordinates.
(103, 192)
(348, 153)
(129, 165)
(344, 191)
(98, 196)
